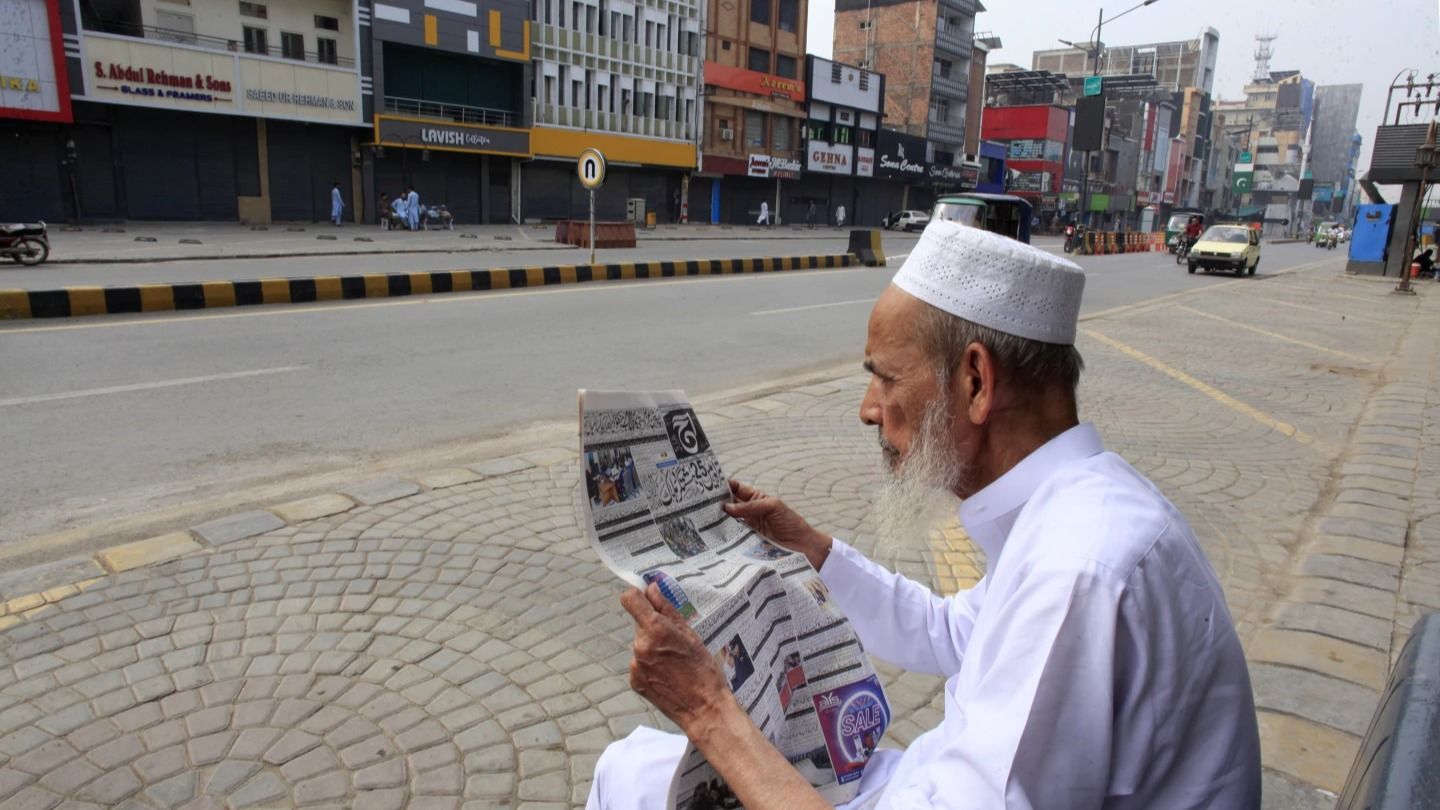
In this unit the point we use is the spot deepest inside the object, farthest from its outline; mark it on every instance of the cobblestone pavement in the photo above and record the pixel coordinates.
(452, 641)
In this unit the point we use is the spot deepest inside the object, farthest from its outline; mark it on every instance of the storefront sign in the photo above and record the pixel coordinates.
(900, 156)
(942, 175)
(125, 70)
(784, 168)
(1033, 182)
(1027, 149)
(417, 133)
(759, 166)
(829, 158)
(754, 82)
(864, 162)
(33, 81)
(969, 176)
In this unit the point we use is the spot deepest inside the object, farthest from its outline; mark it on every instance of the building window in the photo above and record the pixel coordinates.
(865, 25)
(785, 66)
(256, 10)
(943, 68)
(865, 138)
(779, 133)
(760, 11)
(325, 51)
(255, 41)
(292, 46)
(864, 81)
(939, 109)
(760, 60)
(842, 135)
(327, 23)
(754, 129)
(789, 15)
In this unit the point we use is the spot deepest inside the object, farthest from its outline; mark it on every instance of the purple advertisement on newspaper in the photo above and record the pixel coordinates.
(853, 718)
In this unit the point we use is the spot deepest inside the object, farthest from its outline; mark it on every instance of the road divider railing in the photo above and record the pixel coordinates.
(1106, 243)
(66, 302)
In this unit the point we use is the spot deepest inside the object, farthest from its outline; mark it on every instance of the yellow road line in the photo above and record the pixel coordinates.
(1165, 299)
(1283, 428)
(1275, 335)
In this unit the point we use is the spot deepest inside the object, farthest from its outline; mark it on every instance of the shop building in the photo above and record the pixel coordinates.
(622, 77)
(754, 109)
(210, 110)
(1035, 138)
(452, 113)
(841, 130)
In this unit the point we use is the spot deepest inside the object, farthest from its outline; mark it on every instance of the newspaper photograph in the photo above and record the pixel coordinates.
(653, 491)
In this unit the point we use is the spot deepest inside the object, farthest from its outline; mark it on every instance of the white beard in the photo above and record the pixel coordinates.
(921, 490)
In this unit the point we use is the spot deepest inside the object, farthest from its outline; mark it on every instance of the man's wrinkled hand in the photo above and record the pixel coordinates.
(778, 523)
(671, 667)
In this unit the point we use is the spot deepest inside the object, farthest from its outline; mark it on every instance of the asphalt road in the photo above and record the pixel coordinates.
(106, 418)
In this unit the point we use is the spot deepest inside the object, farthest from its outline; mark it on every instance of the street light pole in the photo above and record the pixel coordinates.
(1098, 51)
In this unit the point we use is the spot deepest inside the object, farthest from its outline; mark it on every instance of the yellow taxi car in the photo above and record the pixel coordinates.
(1229, 248)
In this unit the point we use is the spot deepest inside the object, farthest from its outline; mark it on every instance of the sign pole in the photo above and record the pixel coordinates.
(592, 226)
(590, 168)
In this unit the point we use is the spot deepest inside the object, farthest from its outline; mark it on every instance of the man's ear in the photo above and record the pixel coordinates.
(973, 383)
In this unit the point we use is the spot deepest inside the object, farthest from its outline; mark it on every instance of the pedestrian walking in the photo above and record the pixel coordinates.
(810, 216)
(764, 214)
(412, 208)
(839, 216)
(337, 203)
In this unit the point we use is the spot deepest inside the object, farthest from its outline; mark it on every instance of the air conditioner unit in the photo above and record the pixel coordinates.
(727, 134)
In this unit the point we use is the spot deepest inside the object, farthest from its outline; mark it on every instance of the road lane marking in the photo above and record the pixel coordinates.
(125, 389)
(1167, 298)
(814, 306)
(449, 298)
(1283, 428)
(1341, 315)
(1275, 335)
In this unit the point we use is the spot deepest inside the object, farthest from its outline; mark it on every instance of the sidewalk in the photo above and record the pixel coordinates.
(169, 241)
(451, 640)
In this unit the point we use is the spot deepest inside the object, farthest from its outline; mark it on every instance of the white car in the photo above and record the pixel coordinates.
(907, 221)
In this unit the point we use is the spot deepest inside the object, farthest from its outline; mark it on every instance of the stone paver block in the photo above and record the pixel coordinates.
(290, 745)
(148, 552)
(263, 788)
(174, 791)
(1336, 622)
(230, 528)
(1320, 698)
(1305, 750)
(39, 578)
(381, 490)
(549, 456)
(453, 477)
(1365, 666)
(293, 512)
(230, 774)
(497, 467)
(390, 773)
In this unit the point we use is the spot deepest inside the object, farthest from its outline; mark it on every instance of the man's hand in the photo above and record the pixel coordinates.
(671, 667)
(780, 524)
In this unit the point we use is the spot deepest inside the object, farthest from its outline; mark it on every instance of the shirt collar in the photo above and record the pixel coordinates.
(989, 514)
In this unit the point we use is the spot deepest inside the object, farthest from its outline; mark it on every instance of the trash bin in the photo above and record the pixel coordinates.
(650, 220)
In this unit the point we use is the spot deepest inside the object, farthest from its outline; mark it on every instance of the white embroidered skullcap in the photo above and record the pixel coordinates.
(995, 281)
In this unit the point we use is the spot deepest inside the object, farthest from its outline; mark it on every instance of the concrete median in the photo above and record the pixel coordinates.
(75, 301)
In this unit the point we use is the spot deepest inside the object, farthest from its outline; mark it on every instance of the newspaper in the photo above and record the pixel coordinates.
(652, 490)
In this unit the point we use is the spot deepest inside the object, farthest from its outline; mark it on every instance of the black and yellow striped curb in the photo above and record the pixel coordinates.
(66, 302)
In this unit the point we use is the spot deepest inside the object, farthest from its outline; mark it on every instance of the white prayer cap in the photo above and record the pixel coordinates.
(995, 281)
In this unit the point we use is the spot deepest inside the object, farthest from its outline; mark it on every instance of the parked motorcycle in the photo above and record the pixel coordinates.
(25, 242)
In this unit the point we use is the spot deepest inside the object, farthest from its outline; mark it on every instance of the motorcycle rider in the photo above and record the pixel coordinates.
(1192, 234)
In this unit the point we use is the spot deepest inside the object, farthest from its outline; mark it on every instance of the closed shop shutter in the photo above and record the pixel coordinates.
(32, 186)
(177, 165)
(304, 160)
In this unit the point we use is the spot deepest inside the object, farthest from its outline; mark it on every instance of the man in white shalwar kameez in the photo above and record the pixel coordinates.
(1094, 666)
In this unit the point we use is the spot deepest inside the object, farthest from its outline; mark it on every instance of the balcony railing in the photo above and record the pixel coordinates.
(611, 122)
(214, 43)
(458, 113)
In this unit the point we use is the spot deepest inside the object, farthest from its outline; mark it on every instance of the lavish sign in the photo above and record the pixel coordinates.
(33, 80)
(126, 70)
(829, 158)
(419, 133)
(900, 156)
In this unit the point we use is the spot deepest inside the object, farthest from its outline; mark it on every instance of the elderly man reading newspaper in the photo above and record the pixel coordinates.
(1094, 666)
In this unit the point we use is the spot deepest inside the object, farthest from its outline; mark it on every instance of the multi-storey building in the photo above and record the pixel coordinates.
(213, 109)
(1271, 123)
(754, 108)
(451, 82)
(925, 49)
(624, 78)
(1334, 145)
(841, 131)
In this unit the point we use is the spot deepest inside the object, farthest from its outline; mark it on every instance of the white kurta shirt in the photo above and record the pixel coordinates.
(1095, 664)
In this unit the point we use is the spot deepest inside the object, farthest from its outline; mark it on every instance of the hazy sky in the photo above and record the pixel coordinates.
(1330, 41)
